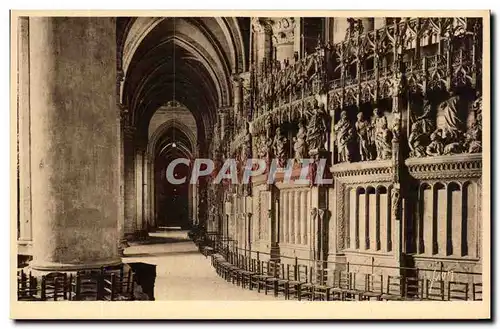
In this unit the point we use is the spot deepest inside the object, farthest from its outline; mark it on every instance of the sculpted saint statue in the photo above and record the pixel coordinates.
(300, 146)
(279, 147)
(453, 123)
(316, 128)
(473, 137)
(396, 203)
(436, 146)
(363, 129)
(344, 133)
(382, 136)
(420, 130)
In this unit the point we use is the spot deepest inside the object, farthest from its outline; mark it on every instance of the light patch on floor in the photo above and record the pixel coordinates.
(182, 273)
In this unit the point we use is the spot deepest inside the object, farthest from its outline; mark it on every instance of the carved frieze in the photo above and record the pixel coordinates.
(363, 171)
(446, 166)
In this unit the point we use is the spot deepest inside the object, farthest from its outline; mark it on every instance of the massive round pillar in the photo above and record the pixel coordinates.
(74, 143)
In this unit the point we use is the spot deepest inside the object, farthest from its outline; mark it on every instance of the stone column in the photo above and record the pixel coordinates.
(237, 99)
(297, 38)
(152, 218)
(263, 32)
(303, 216)
(75, 146)
(329, 29)
(296, 210)
(145, 192)
(291, 216)
(284, 217)
(139, 171)
(195, 204)
(298, 217)
(283, 38)
(122, 242)
(130, 225)
(24, 137)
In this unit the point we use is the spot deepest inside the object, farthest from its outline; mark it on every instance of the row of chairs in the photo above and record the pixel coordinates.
(108, 284)
(315, 282)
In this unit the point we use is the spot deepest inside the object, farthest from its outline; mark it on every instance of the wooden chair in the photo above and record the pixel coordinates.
(356, 287)
(341, 283)
(86, 286)
(458, 290)
(128, 286)
(248, 274)
(374, 287)
(321, 289)
(237, 270)
(307, 288)
(271, 282)
(259, 280)
(477, 291)
(434, 290)
(110, 287)
(27, 287)
(300, 279)
(394, 289)
(55, 286)
(414, 288)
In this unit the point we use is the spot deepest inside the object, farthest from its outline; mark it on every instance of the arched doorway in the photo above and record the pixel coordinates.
(174, 201)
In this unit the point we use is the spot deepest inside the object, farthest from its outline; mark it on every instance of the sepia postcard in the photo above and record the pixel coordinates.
(250, 165)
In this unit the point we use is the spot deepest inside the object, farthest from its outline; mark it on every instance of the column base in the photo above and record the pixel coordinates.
(44, 267)
(142, 234)
(275, 253)
(122, 245)
(24, 247)
(137, 235)
(338, 262)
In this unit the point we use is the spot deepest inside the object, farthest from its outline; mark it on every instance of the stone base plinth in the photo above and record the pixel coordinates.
(43, 268)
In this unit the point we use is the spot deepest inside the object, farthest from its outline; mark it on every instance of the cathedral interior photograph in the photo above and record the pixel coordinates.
(250, 158)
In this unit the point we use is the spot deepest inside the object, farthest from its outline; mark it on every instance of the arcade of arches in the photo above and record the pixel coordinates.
(393, 104)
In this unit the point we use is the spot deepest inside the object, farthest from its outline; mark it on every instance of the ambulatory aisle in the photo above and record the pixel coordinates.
(182, 273)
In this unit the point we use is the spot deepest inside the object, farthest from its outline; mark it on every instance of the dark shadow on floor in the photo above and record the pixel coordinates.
(158, 254)
(145, 276)
(159, 240)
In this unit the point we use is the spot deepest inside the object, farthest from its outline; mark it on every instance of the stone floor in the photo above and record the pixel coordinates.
(182, 273)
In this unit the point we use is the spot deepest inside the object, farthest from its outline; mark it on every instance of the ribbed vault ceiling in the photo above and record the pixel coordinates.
(187, 59)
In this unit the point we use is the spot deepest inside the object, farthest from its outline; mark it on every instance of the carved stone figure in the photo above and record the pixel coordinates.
(262, 148)
(396, 203)
(396, 127)
(453, 123)
(344, 133)
(436, 146)
(381, 135)
(473, 136)
(420, 131)
(300, 146)
(279, 147)
(316, 128)
(363, 129)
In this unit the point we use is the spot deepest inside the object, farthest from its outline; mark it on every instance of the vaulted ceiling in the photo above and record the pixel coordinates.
(186, 59)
